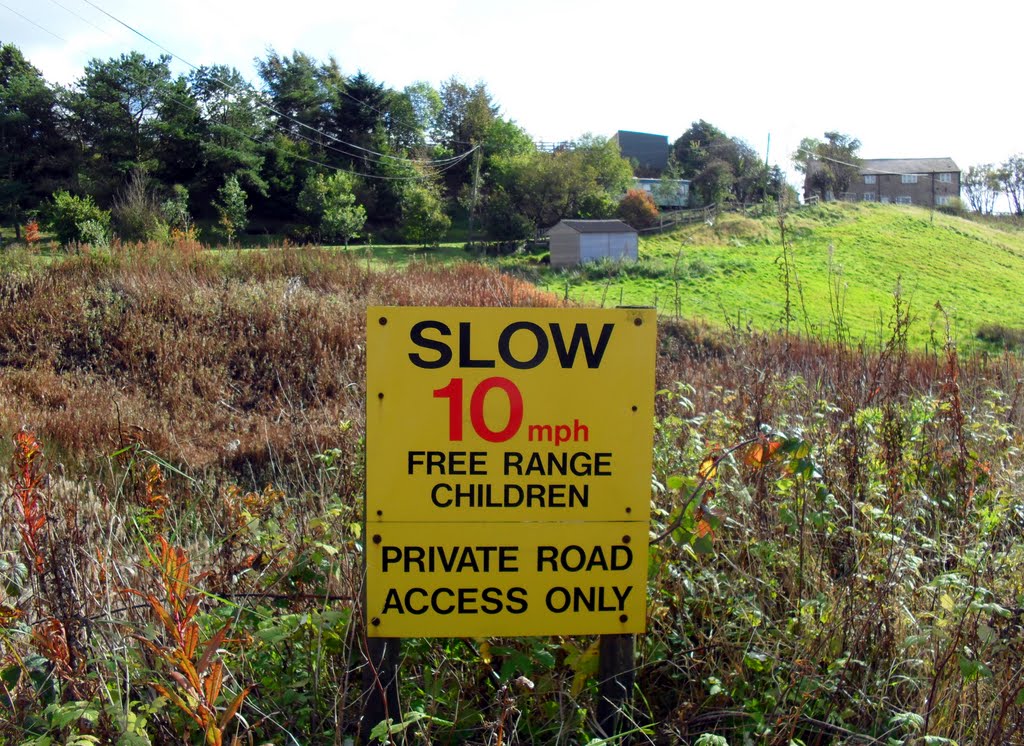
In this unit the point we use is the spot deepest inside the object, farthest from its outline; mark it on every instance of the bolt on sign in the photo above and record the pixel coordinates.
(508, 465)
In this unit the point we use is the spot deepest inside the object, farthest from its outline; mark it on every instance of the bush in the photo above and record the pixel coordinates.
(329, 200)
(175, 209)
(1007, 337)
(232, 208)
(955, 207)
(423, 218)
(77, 219)
(137, 213)
(638, 209)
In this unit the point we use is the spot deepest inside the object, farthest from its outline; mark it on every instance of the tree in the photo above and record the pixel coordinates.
(35, 156)
(329, 200)
(425, 105)
(700, 144)
(723, 167)
(714, 183)
(115, 112)
(233, 125)
(666, 191)
(136, 211)
(830, 166)
(423, 217)
(1011, 176)
(232, 208)
(638, 210)
(462, 124)
(982, 184)
(304, 94)
(584, 181)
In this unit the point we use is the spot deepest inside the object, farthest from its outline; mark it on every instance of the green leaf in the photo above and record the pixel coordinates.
(708, 739)
(703, 545)
(908, 720)
(756, 661)
(972, 670)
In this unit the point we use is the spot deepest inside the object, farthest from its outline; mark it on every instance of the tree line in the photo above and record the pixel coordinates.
(131, 148)
(983, 183)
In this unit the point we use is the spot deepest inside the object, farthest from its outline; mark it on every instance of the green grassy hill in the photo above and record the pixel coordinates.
(848, 259)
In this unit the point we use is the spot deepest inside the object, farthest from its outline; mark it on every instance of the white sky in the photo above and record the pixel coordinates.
(908, 78)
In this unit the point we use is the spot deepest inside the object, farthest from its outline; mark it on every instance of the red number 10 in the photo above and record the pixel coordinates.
(453, 393)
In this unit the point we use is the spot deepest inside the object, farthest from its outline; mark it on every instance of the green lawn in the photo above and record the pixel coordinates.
(848, 262)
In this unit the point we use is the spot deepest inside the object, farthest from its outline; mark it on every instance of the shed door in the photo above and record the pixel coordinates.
(618, 246)
(593, 246)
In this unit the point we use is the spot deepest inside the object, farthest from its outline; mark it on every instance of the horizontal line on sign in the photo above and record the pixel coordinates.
(382, 521)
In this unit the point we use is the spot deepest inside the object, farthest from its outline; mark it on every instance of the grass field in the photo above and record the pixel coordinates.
(845, 260)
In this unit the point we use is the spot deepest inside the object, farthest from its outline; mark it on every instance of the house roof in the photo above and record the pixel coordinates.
(595, 226)
(907, 165)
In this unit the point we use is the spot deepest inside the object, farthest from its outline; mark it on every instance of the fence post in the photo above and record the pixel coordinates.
(616, 674)
(380, 684)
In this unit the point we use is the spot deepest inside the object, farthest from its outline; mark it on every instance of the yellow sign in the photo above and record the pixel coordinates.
(511, 423)
(479, 580)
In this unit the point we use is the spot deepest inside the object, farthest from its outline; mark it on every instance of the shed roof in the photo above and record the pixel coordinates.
(907, 165)
(597, 226)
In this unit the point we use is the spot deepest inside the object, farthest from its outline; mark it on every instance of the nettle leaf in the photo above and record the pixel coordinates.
(972, 670)
(756, 661)
(703, 545)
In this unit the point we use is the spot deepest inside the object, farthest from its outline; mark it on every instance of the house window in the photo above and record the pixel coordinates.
(869, 196)
(885, 199)
(904, 199)
(946, 178)
(870, 178)
(909, 178)
(942, 199)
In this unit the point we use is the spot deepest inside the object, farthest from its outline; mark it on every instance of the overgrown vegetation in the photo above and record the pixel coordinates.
(181, 534)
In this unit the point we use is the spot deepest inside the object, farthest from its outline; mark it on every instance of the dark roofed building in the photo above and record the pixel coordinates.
(929, 182)
(649, 152)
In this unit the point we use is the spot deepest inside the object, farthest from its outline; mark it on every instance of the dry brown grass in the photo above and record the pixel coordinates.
(206, 359)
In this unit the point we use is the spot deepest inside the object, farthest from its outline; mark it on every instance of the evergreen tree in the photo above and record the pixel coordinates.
(35, 155)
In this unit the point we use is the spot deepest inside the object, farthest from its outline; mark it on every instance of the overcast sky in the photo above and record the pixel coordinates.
(906, 77)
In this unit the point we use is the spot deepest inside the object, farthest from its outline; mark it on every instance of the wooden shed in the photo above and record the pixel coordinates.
(573, 242)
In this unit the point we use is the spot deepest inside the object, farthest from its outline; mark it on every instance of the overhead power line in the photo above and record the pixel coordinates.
(868, 169)
(29, 20)
(438, 165)
(264, 104)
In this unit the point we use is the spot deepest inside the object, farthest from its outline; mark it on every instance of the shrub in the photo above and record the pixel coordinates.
(32, 232)
(1007, 337)
(175, 209)
(233, 209)
(330, 202)
(955, 207)
(423, 218)
(74, 218)
(136, 212)
(638, 209)
(94, 233)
